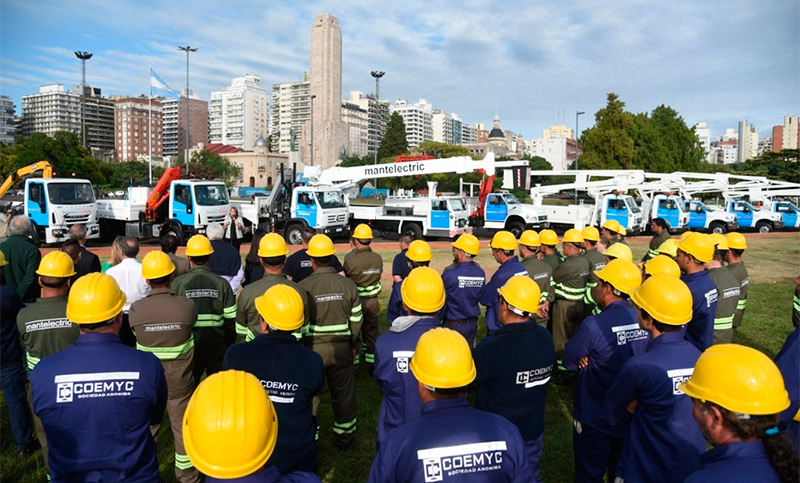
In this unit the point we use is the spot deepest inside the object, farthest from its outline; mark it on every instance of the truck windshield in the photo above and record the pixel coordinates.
(510, 199)
(331, 199)
(211, 194)
(457, 204)
(632, 206)
(70, 193)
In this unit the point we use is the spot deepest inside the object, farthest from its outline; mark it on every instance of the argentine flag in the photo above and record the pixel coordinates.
(160, 88)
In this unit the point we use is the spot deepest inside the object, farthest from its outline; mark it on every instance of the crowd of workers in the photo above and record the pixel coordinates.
(238, 356)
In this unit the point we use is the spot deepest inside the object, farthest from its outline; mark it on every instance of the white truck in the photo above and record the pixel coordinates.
(55, 204)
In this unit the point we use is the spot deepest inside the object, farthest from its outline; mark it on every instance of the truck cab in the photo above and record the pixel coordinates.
(749, 216)
(503, 211)
(55, 204)
(788, 211)
(325, 209)
(703, 217)
(623, 209)
(672, 209)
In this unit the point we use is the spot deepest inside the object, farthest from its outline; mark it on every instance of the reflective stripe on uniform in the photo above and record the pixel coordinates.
(795, 301)
(355, 314)
(338, 329)
(369, 358)
(723, 323)
(569, 293)
(652, 253)
(588, 298)
(32, 360)
(168, 353)
(208, 320)
(544, 297)
(242, 330)
(249, 335)
(229, 312)
(182, 462)
(369, 291)
(742, 304)
(345, 428)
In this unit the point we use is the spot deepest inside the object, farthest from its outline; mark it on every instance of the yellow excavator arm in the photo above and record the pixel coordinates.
(21, 173)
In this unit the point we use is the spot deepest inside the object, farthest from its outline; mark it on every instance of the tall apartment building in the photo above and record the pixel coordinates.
(791, 134)
(238, 113)
(469, 134)
(558, 131)
(418, 119)
(704, 137)
(377, 118)
(291, 111)
(442, 125)
(358, 123)
(558, 151)
(132, 115)
(748, 142)
(7, 125)
(174, 124)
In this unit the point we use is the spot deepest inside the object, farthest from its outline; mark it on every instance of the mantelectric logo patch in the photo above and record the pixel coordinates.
(462, 459)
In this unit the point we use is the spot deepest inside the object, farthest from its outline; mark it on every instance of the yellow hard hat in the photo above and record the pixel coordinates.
(94, 298)
(363, 232)
(669, 247)
(419, 251)
(738, 378)
(736, 240)
(469, 243)
(662, 265)
(56, 264)
(230, 426)
(423, 290)
(590, 233)
(156, 264)
(443, 360)
(684, 235)
(281, 307)
(529, 238)
(573, 235)
(504, 240)
(699, 246)
(521, 292)
(548, 237)
(3, 261)
(612, 225)
(666, 298)
(320, 246)
(272, 245)
(622, 231)
(198, 246)
(719, 241)
(622, 274)
(619, 250)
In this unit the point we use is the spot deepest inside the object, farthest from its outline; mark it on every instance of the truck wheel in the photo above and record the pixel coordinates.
(175, 231)
(516, 228)
(414, 230)
(294, 235)
(718, 227)
(764, 227)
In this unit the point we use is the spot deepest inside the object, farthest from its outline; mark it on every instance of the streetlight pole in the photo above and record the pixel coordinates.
(577, 115)
(313, 96)
(187, 49)
(84, 56)
(377, 74)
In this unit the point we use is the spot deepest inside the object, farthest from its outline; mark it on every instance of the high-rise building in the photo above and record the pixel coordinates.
(53, 109)
(330, 133)
(377, 118)
(469, 134)
(7, 125)
(132, 115)
(791, 133)
(291, 111)
(704, 137)
(748, 142)
(238, 113)
(777, 138)
(174, 124)
(558, 131)
(98, 114)
(418, 119)
(442, 125)
(357, 121)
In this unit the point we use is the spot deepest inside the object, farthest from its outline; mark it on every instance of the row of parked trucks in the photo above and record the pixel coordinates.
(319, 199)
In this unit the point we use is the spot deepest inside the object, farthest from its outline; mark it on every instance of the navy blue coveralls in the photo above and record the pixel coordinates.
(700, 330)
(393, 350)
(97, 401)
(292, 375)
(462, 287)
(788, 361)
(452, 442)
(608, 339)
(742, 462)
(514, 366)
(489, 295)
(401, 269)
(664, 442)
(270, 474)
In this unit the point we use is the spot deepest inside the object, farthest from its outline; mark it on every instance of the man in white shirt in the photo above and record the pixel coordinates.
(227, 261)
(128, 274)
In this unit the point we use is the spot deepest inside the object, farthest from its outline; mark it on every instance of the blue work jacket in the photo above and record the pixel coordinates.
(700, 330)
(743, 462)
(664, 442)
(463, 283)
(608, 339)
(270, 474)
(489, 295)
(97, 401)
(788, 361)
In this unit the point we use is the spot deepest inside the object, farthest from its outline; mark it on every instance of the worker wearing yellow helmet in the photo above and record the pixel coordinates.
(693, 253)
(738, 394)
(591, 237)
(663, 443)
(163, 323)
(610, 230)
(449, 430)
(728, 289)
(365, 267)
(418, 254)
(548, 248)
(661, 265)
(293, 375)
(597, 350)
(463, 281)
(669, 248)
(504, 246)
(539, 271)
(83, 390)
(737, 244)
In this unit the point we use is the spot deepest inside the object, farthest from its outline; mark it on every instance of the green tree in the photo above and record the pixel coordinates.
(131, 173)
(208, 165)
(664, 143)
(609, 145)
(394, 139)
(440, 150)
(784, 165)
(64, 151)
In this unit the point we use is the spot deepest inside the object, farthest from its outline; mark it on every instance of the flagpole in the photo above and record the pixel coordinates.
(150, 123)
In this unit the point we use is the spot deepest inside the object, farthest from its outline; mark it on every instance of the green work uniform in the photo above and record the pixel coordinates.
(542, 274)
(569, 285)
(248, 320)
(655, 242)
(739, 271)
(597, 261)
(553, 260)
(365, 267)
(728, 289)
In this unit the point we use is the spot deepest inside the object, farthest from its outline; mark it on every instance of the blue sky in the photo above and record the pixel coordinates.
(530, 62)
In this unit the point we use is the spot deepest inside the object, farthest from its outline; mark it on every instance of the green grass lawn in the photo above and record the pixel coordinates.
(772, 262)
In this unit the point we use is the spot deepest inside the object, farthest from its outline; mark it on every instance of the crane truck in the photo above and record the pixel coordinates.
(54, 204)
